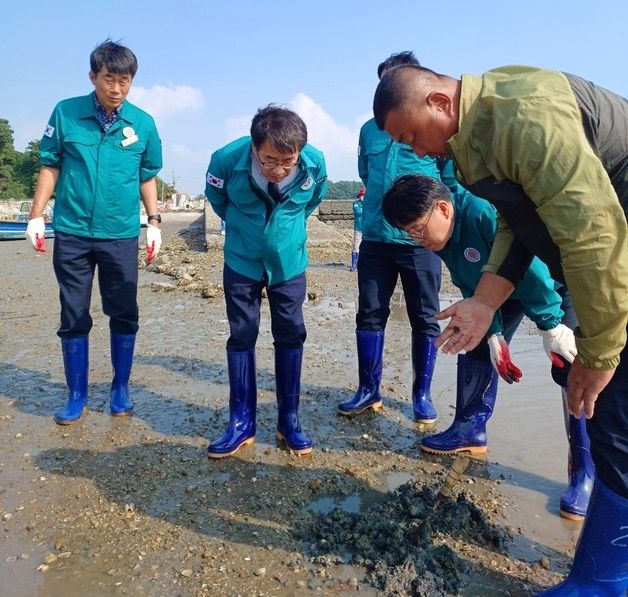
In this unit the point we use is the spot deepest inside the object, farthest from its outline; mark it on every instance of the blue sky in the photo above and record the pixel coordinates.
(205, 67)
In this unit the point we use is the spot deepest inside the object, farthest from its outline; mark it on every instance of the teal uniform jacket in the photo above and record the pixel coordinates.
(262, 236)
(358, 210)
(380, 161)
(466, 252)
(98, 190)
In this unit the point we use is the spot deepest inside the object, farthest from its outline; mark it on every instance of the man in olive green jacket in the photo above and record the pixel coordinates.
(550, 151)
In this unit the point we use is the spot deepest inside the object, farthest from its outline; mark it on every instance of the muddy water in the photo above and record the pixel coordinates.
(134, 506)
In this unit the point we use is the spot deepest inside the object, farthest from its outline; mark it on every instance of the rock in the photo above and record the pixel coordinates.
(162, 287)
(187, 572)
(49, 558)
(545, 563)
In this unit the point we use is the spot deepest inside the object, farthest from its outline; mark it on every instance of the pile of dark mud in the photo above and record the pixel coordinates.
(400, 542)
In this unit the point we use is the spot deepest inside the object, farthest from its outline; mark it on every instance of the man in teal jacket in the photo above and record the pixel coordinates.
(265, 187)
(461, 229)
(101, 154)
(385, 255)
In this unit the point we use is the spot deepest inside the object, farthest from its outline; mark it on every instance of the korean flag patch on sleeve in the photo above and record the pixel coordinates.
(215, 181)
(49, 130)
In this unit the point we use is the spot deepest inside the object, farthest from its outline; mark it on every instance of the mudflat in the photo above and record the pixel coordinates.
(134, 506)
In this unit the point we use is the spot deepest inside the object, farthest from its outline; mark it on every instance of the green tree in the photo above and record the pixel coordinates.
(8, 161)
(343, 189)
(164, 190)
(27, 172)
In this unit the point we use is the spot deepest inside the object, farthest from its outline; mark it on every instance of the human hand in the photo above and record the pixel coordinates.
(500, 357)
(470, 320)
(36, 232)
(583, 387)
(153, 242)
(559, 343)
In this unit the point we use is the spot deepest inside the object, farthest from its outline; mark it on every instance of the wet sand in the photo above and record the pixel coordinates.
(133, 506)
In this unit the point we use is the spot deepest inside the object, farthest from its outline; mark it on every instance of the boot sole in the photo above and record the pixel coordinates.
(74, 421)
(217, 456)
(124, 414)
(426, 421)
(571, 516)
(469, 449)
(298, 452)
(353, 413)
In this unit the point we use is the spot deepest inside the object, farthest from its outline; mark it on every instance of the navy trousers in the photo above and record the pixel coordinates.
(379, 267)
(75, 259)
(243, 298)
(608, 430)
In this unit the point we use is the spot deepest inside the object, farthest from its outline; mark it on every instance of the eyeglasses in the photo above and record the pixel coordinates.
(272, 165)
(418, 234)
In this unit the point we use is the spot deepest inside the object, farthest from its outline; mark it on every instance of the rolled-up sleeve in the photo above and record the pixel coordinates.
(51, 146)
(152, 160)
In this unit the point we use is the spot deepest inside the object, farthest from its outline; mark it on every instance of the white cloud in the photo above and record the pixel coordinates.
(237, 126)
(161, 101)
(339, 142)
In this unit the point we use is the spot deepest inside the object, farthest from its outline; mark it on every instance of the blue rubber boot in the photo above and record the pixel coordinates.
(475, 399)
(370, 350)
(354, 261)
(76, 365)
(575, 498)
(242, 405)
(288, 380)
(424, 354)
(600, 566)
(122, 347)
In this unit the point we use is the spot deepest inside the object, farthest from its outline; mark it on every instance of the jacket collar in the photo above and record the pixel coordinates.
(88, 110)
(465, 154)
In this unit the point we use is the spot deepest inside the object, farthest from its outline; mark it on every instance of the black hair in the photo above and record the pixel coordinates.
(118, 59)
(411, 197)
(399, 59)
(392, 90)
(281, 127)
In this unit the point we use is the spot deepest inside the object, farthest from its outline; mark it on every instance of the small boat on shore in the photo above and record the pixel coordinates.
(13, 226)
(16, 230)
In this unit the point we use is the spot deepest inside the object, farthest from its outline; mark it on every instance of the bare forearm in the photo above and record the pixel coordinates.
(148, 193)
(43, 191)
(493, 290)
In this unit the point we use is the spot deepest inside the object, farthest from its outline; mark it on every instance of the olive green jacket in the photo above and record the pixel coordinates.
(523, 125)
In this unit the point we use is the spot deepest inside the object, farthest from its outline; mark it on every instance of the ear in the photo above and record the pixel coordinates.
(439, 100)
(444, 207)
(92, 77)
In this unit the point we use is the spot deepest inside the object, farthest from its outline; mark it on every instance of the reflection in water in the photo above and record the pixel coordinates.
(325, 505)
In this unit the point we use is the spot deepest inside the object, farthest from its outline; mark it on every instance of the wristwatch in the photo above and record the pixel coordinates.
(156, 217)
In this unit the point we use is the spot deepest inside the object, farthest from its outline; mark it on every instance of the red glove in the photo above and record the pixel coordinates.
(153, 242)
(36, 232)
(500, 357)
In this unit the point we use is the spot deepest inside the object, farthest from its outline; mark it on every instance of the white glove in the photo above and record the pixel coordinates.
(559, 343)
(153, 242)
(500, 357)
(36, 232)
